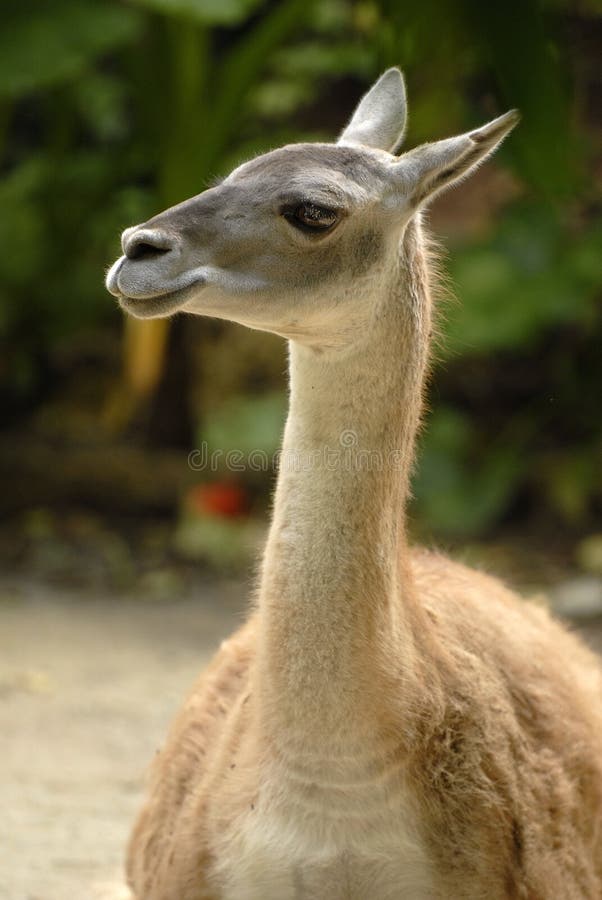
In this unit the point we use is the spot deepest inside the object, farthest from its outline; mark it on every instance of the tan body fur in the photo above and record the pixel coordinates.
(509, 791)
(388, 725)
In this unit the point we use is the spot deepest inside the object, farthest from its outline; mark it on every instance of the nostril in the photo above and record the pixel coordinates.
(144, 250)
(146, 243)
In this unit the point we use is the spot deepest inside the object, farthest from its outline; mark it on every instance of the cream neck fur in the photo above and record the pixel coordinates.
(334, 561)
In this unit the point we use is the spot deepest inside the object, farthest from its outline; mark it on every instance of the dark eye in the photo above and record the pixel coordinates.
(311, 217)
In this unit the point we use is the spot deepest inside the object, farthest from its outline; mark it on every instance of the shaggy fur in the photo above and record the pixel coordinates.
(502, 744)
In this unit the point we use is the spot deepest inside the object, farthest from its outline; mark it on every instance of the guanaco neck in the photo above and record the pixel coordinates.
(335, 594)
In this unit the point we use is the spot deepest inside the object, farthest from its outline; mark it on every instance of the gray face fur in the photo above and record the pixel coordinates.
(237, 251)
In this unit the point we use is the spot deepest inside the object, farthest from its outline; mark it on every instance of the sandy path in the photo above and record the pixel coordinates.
(87, 688)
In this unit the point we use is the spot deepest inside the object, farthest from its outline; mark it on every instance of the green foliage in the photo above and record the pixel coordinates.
(246, 424)
(461, 487)
(206, 12)
(113, 109)
(43, 44)
(532, 274)
(533, 278)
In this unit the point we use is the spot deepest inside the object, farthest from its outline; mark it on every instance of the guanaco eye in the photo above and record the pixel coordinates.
(311, 217)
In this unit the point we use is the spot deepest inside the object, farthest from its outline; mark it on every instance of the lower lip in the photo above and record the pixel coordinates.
(149, 306)
(162, 304)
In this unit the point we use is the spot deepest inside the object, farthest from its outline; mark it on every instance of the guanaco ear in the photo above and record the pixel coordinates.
(380, 117)
(431, 168)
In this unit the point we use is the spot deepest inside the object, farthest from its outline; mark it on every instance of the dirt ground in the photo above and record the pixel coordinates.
(87, 688)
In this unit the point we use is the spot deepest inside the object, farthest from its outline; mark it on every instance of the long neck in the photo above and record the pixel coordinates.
(336, 594)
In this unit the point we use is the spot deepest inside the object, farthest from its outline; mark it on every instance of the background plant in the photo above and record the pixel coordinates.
(112, 110)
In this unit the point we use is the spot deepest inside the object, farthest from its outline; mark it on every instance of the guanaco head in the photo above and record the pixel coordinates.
(290, 241)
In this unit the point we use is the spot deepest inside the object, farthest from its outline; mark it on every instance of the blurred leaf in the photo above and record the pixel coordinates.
(225, 543)
(45, 43)
(240, 70)
(277, 98)
(517, 41)
(455, 493)
(209, 12)
(589, 554)
(247, 424)
(532, 274)
(100, 100)
(331, 15)
(22, 233)
(569, 477)
(312, 59)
